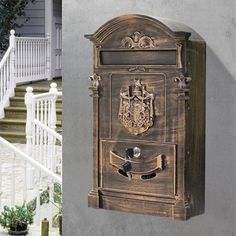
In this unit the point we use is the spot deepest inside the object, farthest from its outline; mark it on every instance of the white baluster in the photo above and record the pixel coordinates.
(18, 60)
(38, 59)
(21, 60)
(31, 59)
(7, 74)
(45, 132)
(37, 131)
(29, 124)
(1, 190)
(51, 197)
(38, 199)
(1, 97)
(53, 115)
(25, 181)
(4, 79)
(53, 119)
(41, 134)
(12, 42)
(49, 63)
(26, 59)
(13, 184)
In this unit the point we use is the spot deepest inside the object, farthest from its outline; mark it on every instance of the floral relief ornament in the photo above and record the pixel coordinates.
(138, 40)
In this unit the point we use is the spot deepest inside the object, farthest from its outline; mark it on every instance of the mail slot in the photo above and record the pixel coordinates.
(148, 89)
(138, 57)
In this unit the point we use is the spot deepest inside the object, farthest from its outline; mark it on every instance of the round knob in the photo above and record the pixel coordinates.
(137, 152)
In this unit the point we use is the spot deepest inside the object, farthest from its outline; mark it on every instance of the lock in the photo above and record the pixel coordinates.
(129, 153)
(136, 152)
(127, 167)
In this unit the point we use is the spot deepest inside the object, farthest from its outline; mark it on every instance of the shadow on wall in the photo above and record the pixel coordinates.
(220, 140)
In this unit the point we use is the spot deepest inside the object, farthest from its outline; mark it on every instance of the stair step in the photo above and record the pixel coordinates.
(20, 112)
(20, 91)
(17, 124)
(20, 101)
(12, 124)
(12, 127)
(13, 136)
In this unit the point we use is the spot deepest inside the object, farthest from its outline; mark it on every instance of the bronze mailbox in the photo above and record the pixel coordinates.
(148, 91)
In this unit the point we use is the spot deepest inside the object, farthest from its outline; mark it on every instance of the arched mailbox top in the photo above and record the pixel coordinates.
(157, 29)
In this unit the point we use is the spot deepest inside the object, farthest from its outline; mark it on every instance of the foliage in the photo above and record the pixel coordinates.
(16, 217)
(57, 202)
(9, 12)
(58, 197)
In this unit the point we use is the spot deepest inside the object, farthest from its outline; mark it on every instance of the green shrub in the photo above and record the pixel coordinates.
(16, 218)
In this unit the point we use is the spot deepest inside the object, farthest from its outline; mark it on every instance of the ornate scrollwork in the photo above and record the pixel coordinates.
(137, 68)
(138, 40)
(136, 111)
(95, 84)
(183, 89)
(183, 81)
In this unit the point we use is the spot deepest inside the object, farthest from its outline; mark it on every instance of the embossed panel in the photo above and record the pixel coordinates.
(155, 85)
(162, 182)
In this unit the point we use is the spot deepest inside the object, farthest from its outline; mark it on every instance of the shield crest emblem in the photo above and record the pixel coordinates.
(136, 111)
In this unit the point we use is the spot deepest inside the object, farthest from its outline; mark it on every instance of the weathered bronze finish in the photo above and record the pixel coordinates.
(148, 92)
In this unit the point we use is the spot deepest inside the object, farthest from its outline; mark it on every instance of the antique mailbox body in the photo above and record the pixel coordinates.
(148, 92)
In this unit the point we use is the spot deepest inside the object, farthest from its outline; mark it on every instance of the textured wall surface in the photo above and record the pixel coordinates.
(215, 21)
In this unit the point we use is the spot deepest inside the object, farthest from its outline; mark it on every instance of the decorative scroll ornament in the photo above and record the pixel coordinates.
(95, 83)
(137, 68)
(138, 40)
(183, 90)
(136, 111)
(183, 81)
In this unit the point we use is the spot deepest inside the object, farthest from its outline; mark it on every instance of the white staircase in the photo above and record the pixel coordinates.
(28, 170)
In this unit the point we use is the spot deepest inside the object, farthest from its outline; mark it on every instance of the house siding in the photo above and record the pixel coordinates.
(57, 8)
(35, 26)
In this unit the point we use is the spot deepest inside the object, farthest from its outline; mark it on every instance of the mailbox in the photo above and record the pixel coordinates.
(148, 90)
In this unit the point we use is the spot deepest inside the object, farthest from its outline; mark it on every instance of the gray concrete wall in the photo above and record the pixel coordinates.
(215, 21)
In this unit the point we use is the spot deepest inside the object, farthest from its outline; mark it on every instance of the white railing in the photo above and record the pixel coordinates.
(19, 159)
(7, 82)
(42, 142)
(27, 59)
(41, 119)
(40, 166)
(32, 58)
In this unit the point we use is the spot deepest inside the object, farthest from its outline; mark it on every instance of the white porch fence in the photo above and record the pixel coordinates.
(41, 164)
(26, 59)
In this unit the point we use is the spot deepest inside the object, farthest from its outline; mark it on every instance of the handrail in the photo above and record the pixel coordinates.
(49, 130)
(32, 38)
(47, 94)
(5, 57)
(30, 160)
(7, 71)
